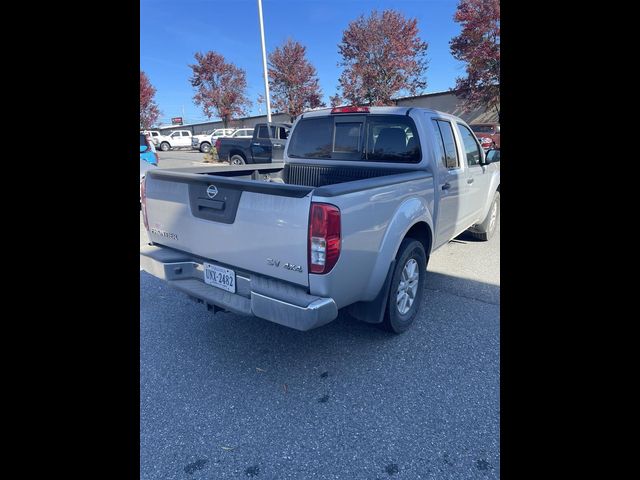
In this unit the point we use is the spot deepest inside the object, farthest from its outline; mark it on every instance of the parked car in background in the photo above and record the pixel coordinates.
(349, 220)
(488, 134)
(148, 150)
(264, 145)
(154, 135)
(205, 141)
(176, 139)
(243, 133)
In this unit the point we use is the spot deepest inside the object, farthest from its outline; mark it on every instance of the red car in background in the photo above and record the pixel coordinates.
(488, 134)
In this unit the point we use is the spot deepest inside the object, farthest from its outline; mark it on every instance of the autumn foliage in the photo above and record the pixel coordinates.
(382, 55)
(293, 81)
(149, 111)
(479, 46)
(220, 87)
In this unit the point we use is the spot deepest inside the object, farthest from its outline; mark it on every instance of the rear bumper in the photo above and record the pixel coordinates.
(263, 297)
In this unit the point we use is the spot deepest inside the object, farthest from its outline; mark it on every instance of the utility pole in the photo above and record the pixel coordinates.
(264, 63)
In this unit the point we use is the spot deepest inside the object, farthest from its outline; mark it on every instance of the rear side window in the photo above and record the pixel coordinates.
(186, 134)
(263, 132)
(448, 142)
(379, 138)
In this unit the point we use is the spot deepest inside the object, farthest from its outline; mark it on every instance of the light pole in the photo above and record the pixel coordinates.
(264, 63)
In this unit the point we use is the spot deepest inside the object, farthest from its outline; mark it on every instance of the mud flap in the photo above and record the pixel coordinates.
(373, 311)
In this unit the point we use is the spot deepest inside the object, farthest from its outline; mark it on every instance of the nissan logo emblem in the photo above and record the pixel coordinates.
(212, 191)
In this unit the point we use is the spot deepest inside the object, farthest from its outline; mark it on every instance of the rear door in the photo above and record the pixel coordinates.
(453, 186)
(278, 143)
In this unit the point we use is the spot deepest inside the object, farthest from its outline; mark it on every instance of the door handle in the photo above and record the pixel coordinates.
(277, 145)
(256, 144)
(470, 180)
(446, 186)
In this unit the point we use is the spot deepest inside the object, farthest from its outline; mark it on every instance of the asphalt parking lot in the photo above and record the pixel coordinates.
(181, 158)
(227, 396)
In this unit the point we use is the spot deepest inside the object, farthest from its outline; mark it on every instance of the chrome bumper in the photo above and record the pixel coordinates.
(264, 297)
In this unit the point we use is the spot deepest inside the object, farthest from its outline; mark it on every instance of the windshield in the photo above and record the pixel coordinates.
(482, 128)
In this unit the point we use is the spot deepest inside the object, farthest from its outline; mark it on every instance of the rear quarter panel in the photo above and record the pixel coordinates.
(373, 224)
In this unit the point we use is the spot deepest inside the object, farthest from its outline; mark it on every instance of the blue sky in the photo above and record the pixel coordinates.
(172, 31)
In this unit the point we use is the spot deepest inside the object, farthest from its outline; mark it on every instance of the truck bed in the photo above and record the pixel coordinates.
(294, 174)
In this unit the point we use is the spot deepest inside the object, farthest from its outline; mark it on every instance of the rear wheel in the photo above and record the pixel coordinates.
(205, 147)
(407, 285)
(485, 230)
(164, 146)
(237, 160)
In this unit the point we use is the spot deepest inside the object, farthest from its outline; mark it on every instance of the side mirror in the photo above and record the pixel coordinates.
(492, 156)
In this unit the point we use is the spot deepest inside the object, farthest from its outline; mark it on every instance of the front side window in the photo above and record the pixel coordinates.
(175, 134)
(471, 147)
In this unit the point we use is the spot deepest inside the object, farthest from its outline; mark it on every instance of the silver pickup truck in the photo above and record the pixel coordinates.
(364, 195)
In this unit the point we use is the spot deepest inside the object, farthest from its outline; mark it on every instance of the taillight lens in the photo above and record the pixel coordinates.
(324, 237)
(217, 145)
(143, 202)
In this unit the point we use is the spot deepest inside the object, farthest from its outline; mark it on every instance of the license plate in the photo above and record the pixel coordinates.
(220, 277)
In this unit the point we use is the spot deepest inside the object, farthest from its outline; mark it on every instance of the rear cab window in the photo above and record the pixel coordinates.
(373, 138)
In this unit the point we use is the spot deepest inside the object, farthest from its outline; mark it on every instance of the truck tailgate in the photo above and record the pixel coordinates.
(253, 225)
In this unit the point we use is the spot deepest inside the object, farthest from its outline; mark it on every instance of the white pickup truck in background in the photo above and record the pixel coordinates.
(176, 139)
(205, 141)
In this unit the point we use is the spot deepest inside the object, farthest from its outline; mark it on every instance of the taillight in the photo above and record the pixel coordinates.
(350, 110)
(324, 237)
(217, 145)
(155, 154)
(143, 202)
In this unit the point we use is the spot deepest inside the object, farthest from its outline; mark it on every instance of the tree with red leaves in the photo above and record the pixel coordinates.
(479, 46)
(220, 87)
(382, 55)
(336, 100)
(293, 80)
(149, 111)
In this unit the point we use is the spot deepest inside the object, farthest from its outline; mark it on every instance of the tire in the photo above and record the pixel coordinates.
(403, 305)
(205, 147)
(237, 160)
(485, 230)
(165, 147)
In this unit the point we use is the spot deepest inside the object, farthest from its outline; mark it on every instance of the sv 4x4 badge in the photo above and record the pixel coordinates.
(288, 266)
